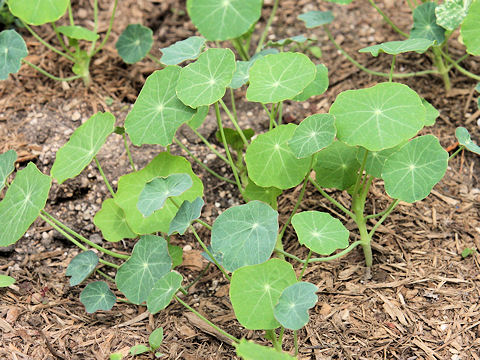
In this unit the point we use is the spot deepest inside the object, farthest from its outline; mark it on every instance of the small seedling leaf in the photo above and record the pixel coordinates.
(379, 117)
(22, 203)
(38, 12)
(204, 81)
(451, 13)
(97, 296)
(233, 138)
(320, 232)
(313, 134)
(412, 172)
(181, 51)
(156, 338)
(81, 267)
(176, 253)
(83, 145)
(6, 281)
(197, 120)
(463, 137)
(131, 185)
(149, 262)
(13, 50)
(78, 33)
(425, 23)
(376, 159)
(245, 234)
(313, 19)
(279, 77)
(163, 291)
(134, 43)
(158, 190)
(431, 113)
(116, 356)
(271, 162)
(223, 20)
(157, 112)
(112, 222)
(256, 289)
(470, 29)
(188, 212)
(248, 350)
(317, 87)
(418, 45)
(468, 251)
(139, 349)
(7, 165)
(268, 195)
(294, 303)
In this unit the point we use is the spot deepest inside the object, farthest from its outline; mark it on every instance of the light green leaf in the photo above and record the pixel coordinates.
(376, 159)
(431, 113)
(470, 29)
(7, 165)
(157, 112)
(245, 234)
(38, 12)
(14, 49)
(163, 291)
(337, 166)
(412, 172)
(317, 87)
(294, 303)
(463, 137)
(131, 185)
(97, 296)
(313, 19)
(81, 267)
(6, 281)
(241, 74)
(279, 77)
(149, 262)
(223, 20)
(320, 232)
(418, 45)
(199, 117)
(116, 356)
(112, 222)
(425, 23)
(188, 212)
(313, 134)
(379, 117)
(156, 338)
(255, 290)
(83, 145)
(451, 13)
(78, 33)
(248, 350)
(139, 349)
(22, 203)
(204, 81)
(134, 43)
(268, 195)
(188, 49)
(271, 162)
(158, 190)
(176, 253)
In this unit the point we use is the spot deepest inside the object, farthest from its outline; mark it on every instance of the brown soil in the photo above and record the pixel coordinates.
(422, 302)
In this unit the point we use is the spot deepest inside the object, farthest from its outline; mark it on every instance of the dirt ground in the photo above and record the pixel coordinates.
(422, 302)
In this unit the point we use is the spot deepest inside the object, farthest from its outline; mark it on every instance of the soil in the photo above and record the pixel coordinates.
(422, 300)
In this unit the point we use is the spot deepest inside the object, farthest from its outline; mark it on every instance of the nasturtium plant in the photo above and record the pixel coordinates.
(376, 159)
(134, 43)
(470, 29)
(464, 139)
(188, 212)
(188, 49)
(38, 12)
(418, 45)
(249, 350)
(14, 49)
(7, 165)
(425, 23)
(81, 267)
(241, 74)
(163, 291)
(78, 33)
(97, 296)
(317, 87)
(112, 222)
(313, 19)
(176, 253)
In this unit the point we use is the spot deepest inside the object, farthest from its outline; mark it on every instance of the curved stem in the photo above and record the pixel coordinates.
(60, 40)
(47, 74)
(328, 258)
(382, 219)
(460, 148)
(459, 68)
(304, 267)
(46, 44)
(232, 100)
(439, 64)
(198, 277)
(392, 67)
(267, 26)
(109, 187)
(332, 200)
(372, 216)
(234, 121)
(209, 145)
(110, 25)
(203, 223)
(109, 278)
(388, 20)
(155, 59)
(129, 154)
(237, 44)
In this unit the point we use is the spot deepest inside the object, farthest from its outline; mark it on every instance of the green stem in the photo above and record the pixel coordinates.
(70, 13)
(184, 291)
(198, 277)
(47, 74)
(110, 25)
(273, 114)
(360, 173)
(109, 278)
(382, 219)
(237, 44)
(60, 40)
(388, 20)
(459, 68)
(209, 145)
(129, 154)
(392, 67)
(232, 100)
(234, 121)
(439, 64)
(324, 259)
(109, 187)
(280, 113)
(295, 341)
(372, 216)
(95, 24)
(155, 59)
(304, 267)
(456, 152)
(203, 223)
(43, 42)
(332, 200)
(267, 26)
(273, 337)
(266, 110)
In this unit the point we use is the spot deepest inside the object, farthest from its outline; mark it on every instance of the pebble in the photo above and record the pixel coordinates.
(96, 239)
(187, 248)
(76, 116)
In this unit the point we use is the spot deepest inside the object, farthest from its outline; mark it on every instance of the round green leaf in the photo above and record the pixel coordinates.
(451, 13)
(38, 12)
(376, 159)
(78, 33)
(134, 43)
(83, 145)
(241, 74)
(197, 120)
(431, 113)
(97, 296)
(294, 303)
(149, 262)
(279, 77)
(313, 19)
(204, 81)
(268, 195)
(22, 203)
(248, 350)
(271, 162)
(412, 172)
(245, 234)
(320, 232)
(81, 267)
(163, 291)
(187, 212)
(188, 49)
(425, 23)
(255, 290)
(7, 165)
(112, 222)
(317, 87)
(379, 117)
(463, 137)
(6, 281)
(223, 20)
(313, 134)
(156, 338)
(12, 49)
(398, 47)
(158, 190)
(470, 29)
(157, 112)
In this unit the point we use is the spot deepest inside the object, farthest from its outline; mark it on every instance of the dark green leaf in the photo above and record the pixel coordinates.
(97, 296)
(134, 43)
(81, 267)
